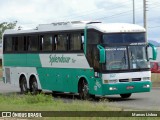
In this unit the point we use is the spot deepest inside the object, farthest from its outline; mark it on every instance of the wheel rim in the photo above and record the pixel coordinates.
(23, 85)
(34, 87)
(84, 90)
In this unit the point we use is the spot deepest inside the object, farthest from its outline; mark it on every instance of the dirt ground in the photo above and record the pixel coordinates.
(156, 79)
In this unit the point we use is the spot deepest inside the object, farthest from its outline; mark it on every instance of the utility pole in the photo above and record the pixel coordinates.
(133, 12)
(145, 15)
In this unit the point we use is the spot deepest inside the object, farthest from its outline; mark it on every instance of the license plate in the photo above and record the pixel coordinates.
(130, 87)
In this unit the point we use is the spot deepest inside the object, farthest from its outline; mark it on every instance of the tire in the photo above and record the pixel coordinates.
(84, 90)
(125, 95)
(23, 85)
(34, 87)
(54, 93)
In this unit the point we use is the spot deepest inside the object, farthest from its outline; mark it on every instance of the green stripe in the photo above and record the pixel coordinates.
(22, 60)
(63, 79)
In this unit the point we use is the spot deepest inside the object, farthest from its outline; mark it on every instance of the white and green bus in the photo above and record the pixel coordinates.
(85, 58)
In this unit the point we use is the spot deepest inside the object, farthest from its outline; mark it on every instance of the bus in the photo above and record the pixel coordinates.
(79, 57)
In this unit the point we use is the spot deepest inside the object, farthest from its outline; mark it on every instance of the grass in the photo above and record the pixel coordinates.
(43, 102)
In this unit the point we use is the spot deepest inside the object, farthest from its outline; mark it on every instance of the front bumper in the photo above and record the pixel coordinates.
(126, 87)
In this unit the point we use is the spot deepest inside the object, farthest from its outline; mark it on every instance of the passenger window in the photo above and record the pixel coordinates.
(33, 43)
(75, 42)
(21, 44)
(82, 38)
(46, 43)
(8, 44)
(15, 43)
(61, 42)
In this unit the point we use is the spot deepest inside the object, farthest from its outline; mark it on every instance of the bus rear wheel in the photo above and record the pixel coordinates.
(23, 85)
(125, 95)
(34, 86)
(83, 90)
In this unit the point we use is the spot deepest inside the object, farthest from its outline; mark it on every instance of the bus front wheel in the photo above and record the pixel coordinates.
(83, 89)
(23, 85)
(125, 95)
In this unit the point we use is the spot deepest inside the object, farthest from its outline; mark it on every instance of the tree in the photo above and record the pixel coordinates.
(6, 25)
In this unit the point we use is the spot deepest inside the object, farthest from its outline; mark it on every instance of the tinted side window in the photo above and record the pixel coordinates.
(61, 42)
(15, 43)
(33, 43)
(46, 42)
(90, 54)
(93, 37)
(75, 42)
(21, 44)
(8, 44)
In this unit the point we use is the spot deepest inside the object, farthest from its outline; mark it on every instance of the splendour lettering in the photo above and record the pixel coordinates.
(62, 59)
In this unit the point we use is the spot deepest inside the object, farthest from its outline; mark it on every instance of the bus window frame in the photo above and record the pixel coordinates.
(38, 34)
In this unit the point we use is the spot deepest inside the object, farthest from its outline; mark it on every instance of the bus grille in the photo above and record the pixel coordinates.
(123, 80)
(136, 79)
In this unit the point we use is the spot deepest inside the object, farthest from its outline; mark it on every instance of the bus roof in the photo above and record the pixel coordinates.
(80, 25)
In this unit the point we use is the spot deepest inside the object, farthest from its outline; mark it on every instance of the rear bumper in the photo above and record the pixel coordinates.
(128, 87)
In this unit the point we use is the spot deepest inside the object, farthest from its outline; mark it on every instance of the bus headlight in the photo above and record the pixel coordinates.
(146, 86)
(146, 78)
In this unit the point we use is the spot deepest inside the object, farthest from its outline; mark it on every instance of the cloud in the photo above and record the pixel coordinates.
(30, 13)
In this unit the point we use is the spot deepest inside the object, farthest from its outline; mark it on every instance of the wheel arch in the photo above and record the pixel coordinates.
(23, 75)
(80, 80)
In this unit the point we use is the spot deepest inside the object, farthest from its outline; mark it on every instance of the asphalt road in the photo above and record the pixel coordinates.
(7, 88)
(138, 101)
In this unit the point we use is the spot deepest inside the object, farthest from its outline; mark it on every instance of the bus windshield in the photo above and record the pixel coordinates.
(123, 57)
(123, 38)
(116, 58)
(138, 57)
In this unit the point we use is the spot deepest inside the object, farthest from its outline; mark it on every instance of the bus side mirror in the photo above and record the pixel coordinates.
(102, 54)
(154, 51)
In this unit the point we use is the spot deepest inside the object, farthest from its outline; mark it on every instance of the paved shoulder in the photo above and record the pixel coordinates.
(142, 101)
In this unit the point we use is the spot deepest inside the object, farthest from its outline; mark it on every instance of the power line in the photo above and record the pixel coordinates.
(92, 12)
(113, 15)
(154, 27)
(119, 14)
(116, 7)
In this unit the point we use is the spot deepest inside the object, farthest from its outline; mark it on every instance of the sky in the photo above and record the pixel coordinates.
(30, 13)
